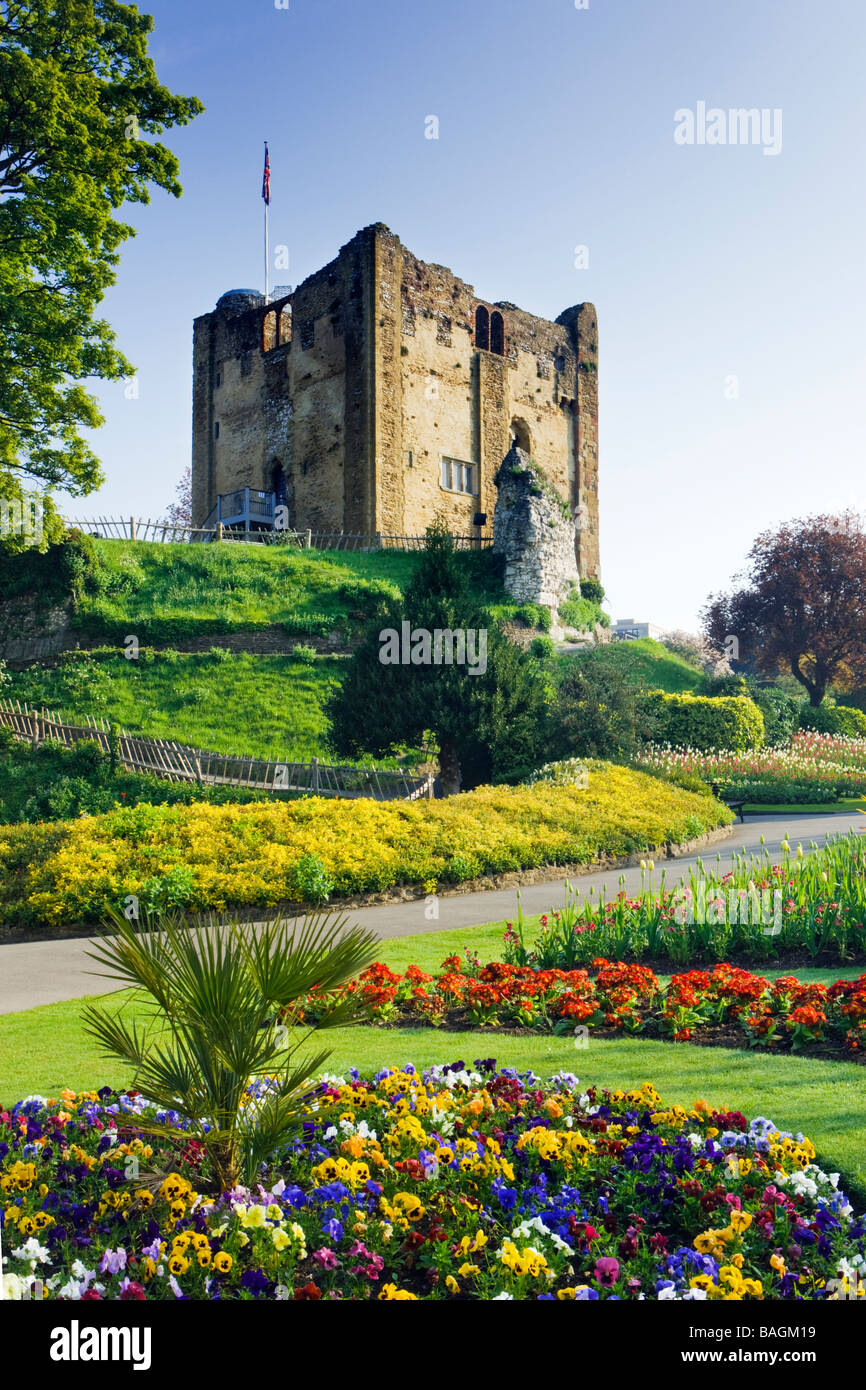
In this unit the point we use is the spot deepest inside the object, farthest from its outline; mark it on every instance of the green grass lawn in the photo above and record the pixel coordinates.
(821, 808)
(261, 706)
(644, 663)
(225, 588)
(45, 1049)
(159, 591)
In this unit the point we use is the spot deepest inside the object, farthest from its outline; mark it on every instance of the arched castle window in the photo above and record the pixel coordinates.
(497, 333)
(285, 324)
(269, 331)
(489, 330)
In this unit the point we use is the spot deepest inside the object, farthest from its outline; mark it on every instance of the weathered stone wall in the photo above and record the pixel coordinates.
(534, 533)
(582, 324)
(382, 377)
(29, 631)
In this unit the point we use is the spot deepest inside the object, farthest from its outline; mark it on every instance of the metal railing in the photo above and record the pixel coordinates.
(135, 529)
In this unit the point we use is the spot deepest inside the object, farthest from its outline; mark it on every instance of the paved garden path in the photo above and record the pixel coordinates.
(44, 972)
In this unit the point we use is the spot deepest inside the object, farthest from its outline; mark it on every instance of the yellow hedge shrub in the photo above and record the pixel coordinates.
(214, 857)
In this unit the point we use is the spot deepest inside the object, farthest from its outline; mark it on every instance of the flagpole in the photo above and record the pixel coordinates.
(267, 245)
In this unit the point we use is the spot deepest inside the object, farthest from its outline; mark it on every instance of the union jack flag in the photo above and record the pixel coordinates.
(266, 178)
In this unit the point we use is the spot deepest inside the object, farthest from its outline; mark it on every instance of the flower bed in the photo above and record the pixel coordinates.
(814, 768)
(809, 905)
(214, 857)
(452, 1185)
(725, 1004)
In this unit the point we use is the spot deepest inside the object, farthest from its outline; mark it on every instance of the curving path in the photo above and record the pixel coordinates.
(45, 972)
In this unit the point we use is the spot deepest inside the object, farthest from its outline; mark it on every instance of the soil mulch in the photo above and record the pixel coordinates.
(719, 1035)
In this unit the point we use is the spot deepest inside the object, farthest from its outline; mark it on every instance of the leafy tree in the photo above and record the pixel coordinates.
(597, 714)
(78, 94)
(489, 725)
(801, 604)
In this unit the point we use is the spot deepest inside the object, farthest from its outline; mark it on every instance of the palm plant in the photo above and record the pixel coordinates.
(223, 1005)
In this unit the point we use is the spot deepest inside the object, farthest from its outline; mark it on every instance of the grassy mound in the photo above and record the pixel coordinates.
(260, 855)
(263, 706)
(165, 593)
(643, 663)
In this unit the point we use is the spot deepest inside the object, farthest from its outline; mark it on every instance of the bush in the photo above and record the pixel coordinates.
(582, 614)
(266, 853)
(833, 719)
(591, 589)
(535, 615)
(699, 721)
(779, 792)
(781, 715)
(718, 686)
(571, 772)
(52, 783)
(64, 570)
(304, 654)
(310, 881)
(542, 648)
(597, 714)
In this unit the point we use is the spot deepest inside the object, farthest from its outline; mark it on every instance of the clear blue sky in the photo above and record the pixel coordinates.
(556, 130)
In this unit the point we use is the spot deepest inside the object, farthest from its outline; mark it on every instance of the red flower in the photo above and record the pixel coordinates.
(133, 1293)
(309, 1293)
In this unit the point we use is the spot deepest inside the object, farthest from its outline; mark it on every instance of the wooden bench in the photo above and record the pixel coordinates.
(730, 801)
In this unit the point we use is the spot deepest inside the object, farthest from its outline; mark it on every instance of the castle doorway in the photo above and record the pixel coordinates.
(278, 483)
(520, 435)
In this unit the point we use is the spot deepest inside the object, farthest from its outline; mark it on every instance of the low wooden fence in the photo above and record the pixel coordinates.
(178, 762)
(133, 528)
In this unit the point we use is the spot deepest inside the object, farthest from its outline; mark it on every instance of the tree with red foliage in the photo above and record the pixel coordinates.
(800, 605)
(180, 512)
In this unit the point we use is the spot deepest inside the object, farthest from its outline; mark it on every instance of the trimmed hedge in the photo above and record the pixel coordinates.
(781, 715)
(699, 721)
(834, 719)
(779, 792)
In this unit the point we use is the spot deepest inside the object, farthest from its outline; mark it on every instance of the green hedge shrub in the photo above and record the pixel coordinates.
(781, 715)
(62, 571)
(581, 613)
(834, 719)
(698, 721)
(535, 615)
(779, 792)
(542, 648)
(716, 686)
(591, 589)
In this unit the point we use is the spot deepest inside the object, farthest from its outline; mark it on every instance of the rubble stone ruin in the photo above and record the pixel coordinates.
(533, 529)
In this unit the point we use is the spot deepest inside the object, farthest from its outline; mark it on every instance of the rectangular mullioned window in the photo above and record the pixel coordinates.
(458, 476)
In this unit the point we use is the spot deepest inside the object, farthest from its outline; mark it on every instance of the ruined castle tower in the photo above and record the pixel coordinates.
(383, 393)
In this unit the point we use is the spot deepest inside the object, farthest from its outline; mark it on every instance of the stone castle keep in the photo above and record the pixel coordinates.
(383, 393)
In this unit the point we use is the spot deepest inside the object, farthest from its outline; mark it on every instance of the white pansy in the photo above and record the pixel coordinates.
(31, 1250)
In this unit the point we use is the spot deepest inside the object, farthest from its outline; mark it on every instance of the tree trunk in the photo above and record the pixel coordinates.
(815, 689)
(450, 777)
